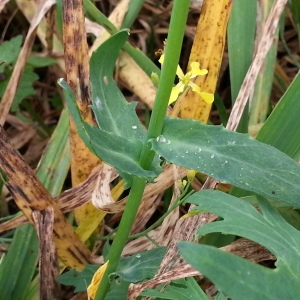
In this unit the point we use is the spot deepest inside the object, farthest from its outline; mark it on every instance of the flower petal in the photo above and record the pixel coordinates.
(161, 59)
(179, 72)
(195, 88)
(196, 71)
(176, 90)
(207, 97)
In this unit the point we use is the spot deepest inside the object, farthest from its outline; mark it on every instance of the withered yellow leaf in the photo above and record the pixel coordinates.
(92, 288)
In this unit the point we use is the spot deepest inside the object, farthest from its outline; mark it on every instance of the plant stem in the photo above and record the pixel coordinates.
(173, 48)
(139, 57)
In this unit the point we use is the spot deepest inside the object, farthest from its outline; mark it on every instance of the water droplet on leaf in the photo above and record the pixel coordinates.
(161, 139)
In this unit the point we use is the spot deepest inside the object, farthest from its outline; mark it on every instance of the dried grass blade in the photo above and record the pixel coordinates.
(48, 263)
(30, 195)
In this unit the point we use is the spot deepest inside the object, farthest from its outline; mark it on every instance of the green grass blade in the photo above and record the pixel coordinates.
(261, 97)
(279, 130)
(241, 32)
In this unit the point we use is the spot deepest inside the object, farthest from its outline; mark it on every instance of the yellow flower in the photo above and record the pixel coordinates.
(185, 81)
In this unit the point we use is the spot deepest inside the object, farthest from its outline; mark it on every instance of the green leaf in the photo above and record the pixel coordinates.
(113, 113)
(240, 36)
(235, 276)
(114, 150)
(118, 289)
(279, 130)
(118, 140)
(268, 229)
(81, 280)
(136, 268)
(24, 90)
(239, 278)
(40, 62)
(230, 157)
(140, 266)
(295, 9)
(9, 51)
(19, 264)
(183, 289)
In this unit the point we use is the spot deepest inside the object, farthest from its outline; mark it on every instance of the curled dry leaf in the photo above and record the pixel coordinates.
(101, 196)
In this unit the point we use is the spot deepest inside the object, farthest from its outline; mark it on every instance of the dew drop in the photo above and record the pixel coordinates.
(212, 156)
(138, 256)
(226, 161)
(168, 142)
(186, 151)
(134, 127)
(199, 149)
(161, 139)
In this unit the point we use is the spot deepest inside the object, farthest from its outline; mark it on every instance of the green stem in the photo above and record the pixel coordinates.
(139, 57)
(172, 53)
(182, 198)
(134, 8)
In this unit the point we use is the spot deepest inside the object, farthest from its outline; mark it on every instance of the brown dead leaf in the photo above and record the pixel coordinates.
(2, 4)
(30, 195)
(48, 263)
(82, 193)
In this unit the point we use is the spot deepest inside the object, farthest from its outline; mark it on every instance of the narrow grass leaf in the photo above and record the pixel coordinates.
(279, 130)
(240, 35)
